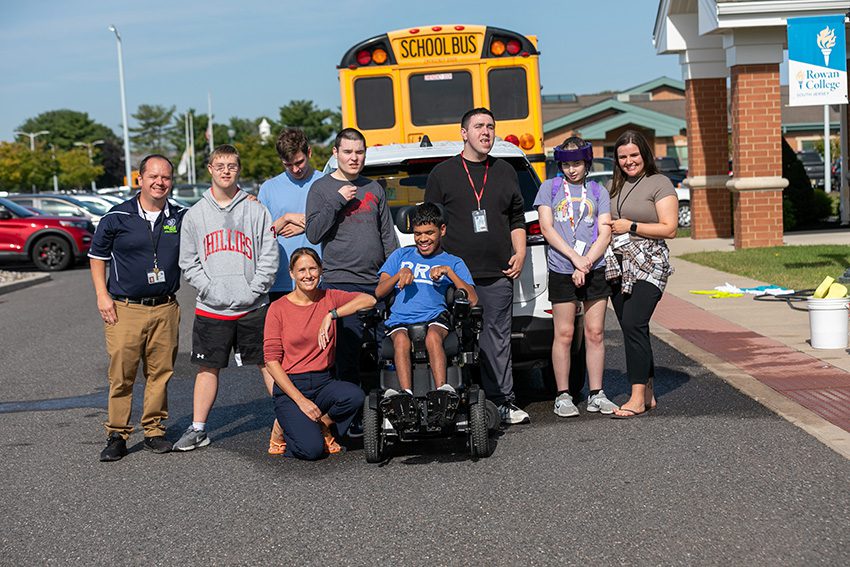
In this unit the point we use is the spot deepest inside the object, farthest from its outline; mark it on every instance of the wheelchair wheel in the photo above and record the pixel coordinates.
(373, 438)
(480, 444)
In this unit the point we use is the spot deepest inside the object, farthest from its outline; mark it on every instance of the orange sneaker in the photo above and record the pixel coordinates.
(277, 444)
(331, 446)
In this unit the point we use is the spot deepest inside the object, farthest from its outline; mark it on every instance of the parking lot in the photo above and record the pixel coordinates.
(712, 477)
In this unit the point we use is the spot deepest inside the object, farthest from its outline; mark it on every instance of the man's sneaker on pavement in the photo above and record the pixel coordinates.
(192, 439)
(157, 444)
(512, 415)
(564, 406)
(116, 448)
(600, 403)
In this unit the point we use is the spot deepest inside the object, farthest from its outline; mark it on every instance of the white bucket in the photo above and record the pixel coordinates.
(828, 322)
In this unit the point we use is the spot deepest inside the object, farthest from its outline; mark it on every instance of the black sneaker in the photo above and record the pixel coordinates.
(157, 444)
(116, 448)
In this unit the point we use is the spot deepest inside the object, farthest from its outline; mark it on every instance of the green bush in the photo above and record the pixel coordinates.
(789, 219)
(807, 208)
(822, 205)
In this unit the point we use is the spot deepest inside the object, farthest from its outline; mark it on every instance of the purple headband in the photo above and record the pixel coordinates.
(584, 153)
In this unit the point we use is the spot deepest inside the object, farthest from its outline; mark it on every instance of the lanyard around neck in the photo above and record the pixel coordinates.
(472, 184)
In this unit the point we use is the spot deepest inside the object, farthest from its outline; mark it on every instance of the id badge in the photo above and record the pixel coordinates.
(156, 276)
(479, 220)
(580, 247)
(620, 240)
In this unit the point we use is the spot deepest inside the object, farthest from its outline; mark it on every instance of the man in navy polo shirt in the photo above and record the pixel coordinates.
(140, 238)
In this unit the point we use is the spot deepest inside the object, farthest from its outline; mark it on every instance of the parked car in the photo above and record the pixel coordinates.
(190, 194)
(682, 193)
(52, 243)
(60, 205)
(402, 169)
(814, 166)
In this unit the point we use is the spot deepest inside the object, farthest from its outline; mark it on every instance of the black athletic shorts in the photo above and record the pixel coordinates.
(442, 320)
(563, 290)
(213, 339)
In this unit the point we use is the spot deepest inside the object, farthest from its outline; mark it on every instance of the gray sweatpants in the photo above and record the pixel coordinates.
(496, 296)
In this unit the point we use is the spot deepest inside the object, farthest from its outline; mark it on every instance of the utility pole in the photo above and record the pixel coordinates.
(32, 137)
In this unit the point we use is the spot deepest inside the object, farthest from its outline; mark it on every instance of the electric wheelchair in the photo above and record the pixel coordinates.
(430, 413)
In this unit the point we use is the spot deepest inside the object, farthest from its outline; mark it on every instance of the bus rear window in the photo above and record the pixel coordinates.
(508, 93)
(373, 103)
(440, 98)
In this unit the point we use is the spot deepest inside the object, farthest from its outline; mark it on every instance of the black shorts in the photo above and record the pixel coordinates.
(442, 320)
(213, 339)
(563, 290)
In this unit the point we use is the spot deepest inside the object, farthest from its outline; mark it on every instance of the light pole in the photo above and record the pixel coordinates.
(90, 146)
(127, 166)
(32, 137)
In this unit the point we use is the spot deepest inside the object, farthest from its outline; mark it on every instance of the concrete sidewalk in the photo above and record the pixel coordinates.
(760, 347)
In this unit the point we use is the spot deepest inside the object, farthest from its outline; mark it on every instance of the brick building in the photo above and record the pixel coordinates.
(739, 43)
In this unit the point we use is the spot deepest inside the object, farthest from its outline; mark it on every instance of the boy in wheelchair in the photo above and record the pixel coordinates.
(421, 275)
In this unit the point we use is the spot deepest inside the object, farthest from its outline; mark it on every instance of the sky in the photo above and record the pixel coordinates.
(255, 56)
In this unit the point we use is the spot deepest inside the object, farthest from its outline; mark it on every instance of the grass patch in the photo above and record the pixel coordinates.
(683, 232)
(794, 267)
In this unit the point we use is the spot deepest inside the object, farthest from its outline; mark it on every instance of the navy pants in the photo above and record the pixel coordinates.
(349, 339)
(340, 400)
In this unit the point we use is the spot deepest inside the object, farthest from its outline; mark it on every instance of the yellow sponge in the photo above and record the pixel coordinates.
(836, 291)
(823, 288)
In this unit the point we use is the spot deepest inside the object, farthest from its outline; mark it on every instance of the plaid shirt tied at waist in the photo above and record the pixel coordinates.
(645, 259)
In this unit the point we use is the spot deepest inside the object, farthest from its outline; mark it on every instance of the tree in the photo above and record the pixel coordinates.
(259, 159)
(21, 168)
(151, 136)
(319, 124)
(69, 126)
(75, 169)
(66, 127)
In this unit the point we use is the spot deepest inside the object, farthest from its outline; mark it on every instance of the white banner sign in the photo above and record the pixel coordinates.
(817, 61)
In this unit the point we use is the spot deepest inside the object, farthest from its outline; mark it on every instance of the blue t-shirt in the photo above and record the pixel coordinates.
(281, 195)
(596, 202)
(423, 300)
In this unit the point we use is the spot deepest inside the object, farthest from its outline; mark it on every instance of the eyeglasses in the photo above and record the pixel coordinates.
(229, 167)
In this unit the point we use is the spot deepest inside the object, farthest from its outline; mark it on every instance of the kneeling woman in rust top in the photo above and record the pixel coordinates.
(299, 345)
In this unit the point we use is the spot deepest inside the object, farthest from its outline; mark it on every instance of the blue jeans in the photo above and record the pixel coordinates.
(340, 400)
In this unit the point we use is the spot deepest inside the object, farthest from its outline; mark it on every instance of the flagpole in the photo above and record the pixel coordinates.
(186, 140)
(210, 115)
(193, 179)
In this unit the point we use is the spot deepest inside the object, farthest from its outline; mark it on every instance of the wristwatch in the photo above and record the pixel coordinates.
(334, 314)
(633, 228)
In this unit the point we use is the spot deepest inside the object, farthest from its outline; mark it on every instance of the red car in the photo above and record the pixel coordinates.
(52, 243)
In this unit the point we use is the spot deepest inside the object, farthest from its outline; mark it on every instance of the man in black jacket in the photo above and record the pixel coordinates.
(485, 226)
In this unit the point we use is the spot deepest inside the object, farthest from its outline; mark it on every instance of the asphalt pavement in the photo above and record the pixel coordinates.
(711, 477)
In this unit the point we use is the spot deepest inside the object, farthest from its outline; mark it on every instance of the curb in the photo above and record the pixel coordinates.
(827, 433)
(24, 283)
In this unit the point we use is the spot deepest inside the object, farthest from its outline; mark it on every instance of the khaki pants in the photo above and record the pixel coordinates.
(148, 335)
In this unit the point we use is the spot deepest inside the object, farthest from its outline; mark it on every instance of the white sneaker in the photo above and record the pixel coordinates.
(512, 415)
(564, 406)
(600, 403)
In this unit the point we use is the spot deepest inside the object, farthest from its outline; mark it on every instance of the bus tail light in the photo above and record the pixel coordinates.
(364, 57)
(513, 47)
(533, 234)
(497, 48)
(526, 141)
(512, 139)
(379, 56)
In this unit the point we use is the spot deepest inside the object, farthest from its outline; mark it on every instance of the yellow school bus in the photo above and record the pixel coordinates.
(403, 85)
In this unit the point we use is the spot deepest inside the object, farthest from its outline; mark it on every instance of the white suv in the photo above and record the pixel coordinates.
(402, 169)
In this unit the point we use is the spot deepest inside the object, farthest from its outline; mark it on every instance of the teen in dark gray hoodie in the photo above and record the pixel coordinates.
(230, 255)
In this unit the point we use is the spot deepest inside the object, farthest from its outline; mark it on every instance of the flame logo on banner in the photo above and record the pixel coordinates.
(826, 41)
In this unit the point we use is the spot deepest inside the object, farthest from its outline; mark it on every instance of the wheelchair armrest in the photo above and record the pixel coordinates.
(461, 308)
(476, 316)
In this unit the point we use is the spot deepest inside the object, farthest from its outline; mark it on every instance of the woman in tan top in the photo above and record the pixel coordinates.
(644, 212)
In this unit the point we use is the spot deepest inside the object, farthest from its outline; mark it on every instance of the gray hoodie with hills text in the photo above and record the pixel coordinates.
(228, 254)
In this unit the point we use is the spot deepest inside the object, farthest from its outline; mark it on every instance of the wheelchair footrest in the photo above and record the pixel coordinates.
(401, 410)
(442, 407)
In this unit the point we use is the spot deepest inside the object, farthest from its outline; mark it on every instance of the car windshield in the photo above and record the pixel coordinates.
(94, 207)
(404, 183)
(810, 158)
(16, 209)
